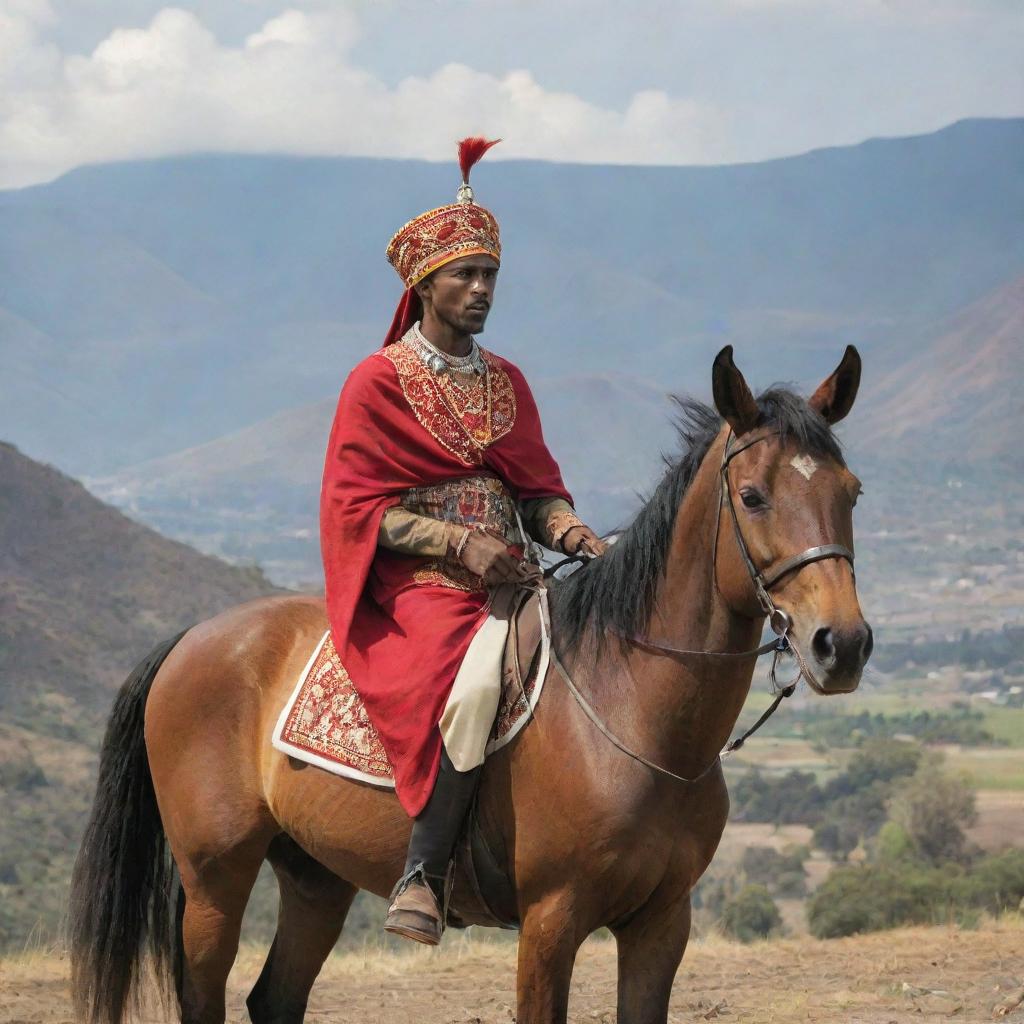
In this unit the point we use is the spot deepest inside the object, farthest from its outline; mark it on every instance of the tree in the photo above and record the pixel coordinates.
(873, 897)
(793, 799)
(878, 761)
(751, 914)
(781, 873)
(933, 808)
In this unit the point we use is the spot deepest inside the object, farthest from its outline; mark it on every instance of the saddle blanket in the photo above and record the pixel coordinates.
(325, 723)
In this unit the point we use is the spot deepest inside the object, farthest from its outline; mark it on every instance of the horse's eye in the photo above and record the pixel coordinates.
(752, 499)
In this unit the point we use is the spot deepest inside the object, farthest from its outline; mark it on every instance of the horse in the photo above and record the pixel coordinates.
(657, 638)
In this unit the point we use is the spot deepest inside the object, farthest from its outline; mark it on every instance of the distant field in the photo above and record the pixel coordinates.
(900, 977)
(778, 754)
(991, 768)
(999, 768)
(1006, 724)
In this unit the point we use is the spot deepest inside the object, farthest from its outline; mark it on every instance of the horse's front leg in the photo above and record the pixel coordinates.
(549, 937)
(651, 946)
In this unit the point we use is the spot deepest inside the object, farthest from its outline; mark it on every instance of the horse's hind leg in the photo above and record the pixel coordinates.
(216, 892)
(313, 906)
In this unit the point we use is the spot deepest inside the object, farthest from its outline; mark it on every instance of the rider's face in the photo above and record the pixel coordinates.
(461, 292)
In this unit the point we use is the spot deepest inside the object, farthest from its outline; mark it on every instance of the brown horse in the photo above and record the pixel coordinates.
(588, 835)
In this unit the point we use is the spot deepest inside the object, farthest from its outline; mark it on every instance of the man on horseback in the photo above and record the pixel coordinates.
(436, 478)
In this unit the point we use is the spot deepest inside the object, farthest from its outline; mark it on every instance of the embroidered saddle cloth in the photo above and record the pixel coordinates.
(324, 722)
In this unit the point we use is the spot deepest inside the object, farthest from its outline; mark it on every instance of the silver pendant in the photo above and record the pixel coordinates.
(436, 364)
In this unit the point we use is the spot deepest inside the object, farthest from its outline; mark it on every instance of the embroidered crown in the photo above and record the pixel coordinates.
(439, 236)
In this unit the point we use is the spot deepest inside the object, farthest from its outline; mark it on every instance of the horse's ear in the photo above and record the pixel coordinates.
(834, 397)
(732, 396)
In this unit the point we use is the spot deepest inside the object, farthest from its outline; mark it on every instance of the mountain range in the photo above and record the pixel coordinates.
(954, 398)
(150, 307)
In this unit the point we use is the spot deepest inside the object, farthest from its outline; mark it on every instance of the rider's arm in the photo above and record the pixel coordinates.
(548, 520)
(412, 534)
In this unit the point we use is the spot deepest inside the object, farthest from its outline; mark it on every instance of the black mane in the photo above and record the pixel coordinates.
(616, 592)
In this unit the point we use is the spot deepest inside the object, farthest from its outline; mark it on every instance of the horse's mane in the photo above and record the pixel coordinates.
(615, 593)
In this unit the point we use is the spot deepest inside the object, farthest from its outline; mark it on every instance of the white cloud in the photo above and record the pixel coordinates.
(658, 81)
(291, 86)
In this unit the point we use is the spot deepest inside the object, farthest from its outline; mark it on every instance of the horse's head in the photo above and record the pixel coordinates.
(785, 529)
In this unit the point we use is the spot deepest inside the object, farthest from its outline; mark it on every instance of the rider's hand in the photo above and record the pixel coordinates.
(581, 540)
(490, 558)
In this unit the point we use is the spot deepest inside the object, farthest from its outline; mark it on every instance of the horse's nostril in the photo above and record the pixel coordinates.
(823, 645)
(869, 643)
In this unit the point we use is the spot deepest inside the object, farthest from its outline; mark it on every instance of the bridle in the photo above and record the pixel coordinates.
(762, 580)
(765, 579)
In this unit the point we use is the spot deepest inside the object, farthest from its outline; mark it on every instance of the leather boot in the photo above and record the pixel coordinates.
(419, 900)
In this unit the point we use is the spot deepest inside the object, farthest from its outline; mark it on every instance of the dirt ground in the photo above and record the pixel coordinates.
(910, 975)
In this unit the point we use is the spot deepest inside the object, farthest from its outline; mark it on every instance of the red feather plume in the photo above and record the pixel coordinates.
(470, 151)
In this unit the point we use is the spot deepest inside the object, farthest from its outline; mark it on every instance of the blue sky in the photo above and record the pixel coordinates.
(694, 81)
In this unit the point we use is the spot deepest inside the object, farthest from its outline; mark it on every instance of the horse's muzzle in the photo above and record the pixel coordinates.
(836, 656)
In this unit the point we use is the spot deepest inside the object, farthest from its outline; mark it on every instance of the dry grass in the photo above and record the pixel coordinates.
(909, 975)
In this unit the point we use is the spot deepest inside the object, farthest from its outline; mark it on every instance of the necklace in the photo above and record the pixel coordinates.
(437, 361)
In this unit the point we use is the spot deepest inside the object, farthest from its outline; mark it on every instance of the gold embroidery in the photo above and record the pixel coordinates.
(444, 573)
(559, 525)
(439, 236)
(327, 718)
(463, 418)
(479, 502)
(482, 502)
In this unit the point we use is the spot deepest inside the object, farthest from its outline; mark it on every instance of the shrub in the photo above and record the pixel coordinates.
(793, 799)
(878, 896)
(961, 724)
(933, 808)
(871, 898)
(849, 819)
(878, 761)
(751, 914)
(893, 844)
(782, 874)
(994, 883)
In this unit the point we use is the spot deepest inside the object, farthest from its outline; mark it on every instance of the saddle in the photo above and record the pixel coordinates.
(523, 643)
(325, 723)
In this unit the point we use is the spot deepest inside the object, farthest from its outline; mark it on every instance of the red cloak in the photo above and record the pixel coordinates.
(401, 641)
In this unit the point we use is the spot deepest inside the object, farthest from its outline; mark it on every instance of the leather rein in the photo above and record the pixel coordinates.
(763, 580)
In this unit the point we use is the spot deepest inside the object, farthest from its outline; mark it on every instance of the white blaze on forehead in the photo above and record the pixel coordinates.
(804, 465)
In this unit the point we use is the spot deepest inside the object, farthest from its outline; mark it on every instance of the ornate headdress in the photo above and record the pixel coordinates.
(439, 236)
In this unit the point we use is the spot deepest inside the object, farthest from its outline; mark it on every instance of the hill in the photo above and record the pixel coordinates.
(255, 493)
(960, 397)
(943, 411)
(84, 594)
(200, 295)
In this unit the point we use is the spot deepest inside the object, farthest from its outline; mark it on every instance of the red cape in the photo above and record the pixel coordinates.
(402, 643)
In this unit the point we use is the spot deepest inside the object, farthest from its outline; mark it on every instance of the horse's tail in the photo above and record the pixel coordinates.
(124, 888)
